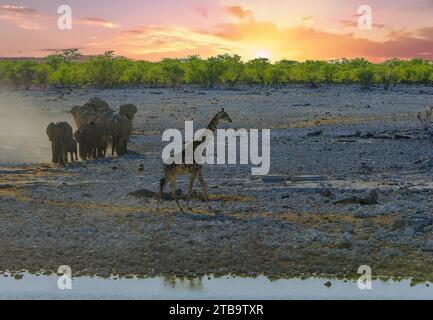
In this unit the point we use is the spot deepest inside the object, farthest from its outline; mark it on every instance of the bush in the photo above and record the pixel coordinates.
(365, 77)
(107, 71)
(173, 72)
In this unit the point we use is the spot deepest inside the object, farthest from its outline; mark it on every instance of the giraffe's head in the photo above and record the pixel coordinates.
(222, 115)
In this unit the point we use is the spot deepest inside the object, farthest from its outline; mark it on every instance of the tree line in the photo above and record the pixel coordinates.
(65, 68)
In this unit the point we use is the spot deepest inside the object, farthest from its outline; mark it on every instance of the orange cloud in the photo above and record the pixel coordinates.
(18, 10)
(98, 22)
(22, 17)
(239, 12)
(353, 23)
(157, 42)
(249, 37)
(306, 42)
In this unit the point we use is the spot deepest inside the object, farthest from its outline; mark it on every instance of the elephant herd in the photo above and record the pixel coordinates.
(98, 127)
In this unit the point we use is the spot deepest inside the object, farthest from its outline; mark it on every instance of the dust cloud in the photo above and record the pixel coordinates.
(22, 130)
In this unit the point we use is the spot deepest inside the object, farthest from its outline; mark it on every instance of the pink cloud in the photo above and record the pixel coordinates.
(239, 12)
(18, 10)
(94, 21)
(22, 17)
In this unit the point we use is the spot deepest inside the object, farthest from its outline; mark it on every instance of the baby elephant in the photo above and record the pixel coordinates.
(60, 136)
(119, 129)
(92, 141)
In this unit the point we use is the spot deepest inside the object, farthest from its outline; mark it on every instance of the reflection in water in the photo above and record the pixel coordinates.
(45, 287)
(180, 282)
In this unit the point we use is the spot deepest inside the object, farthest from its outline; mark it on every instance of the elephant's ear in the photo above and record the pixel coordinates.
(50, 130)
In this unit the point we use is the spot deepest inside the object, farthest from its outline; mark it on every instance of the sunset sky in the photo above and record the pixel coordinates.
(277, 29)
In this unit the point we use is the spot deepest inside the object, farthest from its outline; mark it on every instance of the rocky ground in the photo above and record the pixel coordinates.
(351, 184)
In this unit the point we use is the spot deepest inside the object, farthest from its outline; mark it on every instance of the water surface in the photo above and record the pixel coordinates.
(45, 287)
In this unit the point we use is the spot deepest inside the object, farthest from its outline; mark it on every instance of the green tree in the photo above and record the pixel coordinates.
(329, 71)
(365, 77)
(136, 73)
(233, 69)
(215, 69)
(154, 75)
(310, 72)
(388, 73)
(54, 61)
(173, 72)
(255, 71)
(24, 74)
(42, 72)
(105, 71)
(195, 70)
(7, 69)
(71, 54)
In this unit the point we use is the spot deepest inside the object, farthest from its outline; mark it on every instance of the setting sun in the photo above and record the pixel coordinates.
(262, 54)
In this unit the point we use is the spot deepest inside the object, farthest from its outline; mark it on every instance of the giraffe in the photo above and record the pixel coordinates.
(195, 170)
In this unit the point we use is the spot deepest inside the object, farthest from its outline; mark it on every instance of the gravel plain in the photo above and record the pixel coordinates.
(351, 184)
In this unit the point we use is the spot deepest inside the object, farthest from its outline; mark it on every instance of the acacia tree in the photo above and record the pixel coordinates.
(173, 72)
(24, 73)
(275, 75)
(72, 54)
(255, 71)
(388, 73)
(105, 71)
(136, 72)
(54, 61)
(233, 69)
(365, 77)
(329, 70)
(310, 73)
(195, 70)
(215, 68)
(7, 69)
(154, 75)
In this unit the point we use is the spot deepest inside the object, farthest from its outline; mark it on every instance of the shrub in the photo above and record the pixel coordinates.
(365, 77)
(107, 71)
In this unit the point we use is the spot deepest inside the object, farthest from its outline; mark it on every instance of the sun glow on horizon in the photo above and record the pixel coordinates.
(262, 54)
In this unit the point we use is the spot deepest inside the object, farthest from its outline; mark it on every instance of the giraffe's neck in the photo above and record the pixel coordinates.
(213, 123)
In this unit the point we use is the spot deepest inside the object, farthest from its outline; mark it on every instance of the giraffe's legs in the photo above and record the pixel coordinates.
(173, 190)
(204, 189)
(162, 184)
(191, 185)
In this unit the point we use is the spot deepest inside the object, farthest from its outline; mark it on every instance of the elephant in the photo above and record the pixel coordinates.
(119, 129)
(91, 140)
(83, 115)
(60, 136)
(128, 110)
(89, 112)
(73, 150)
(104, 118)
(98, 105)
